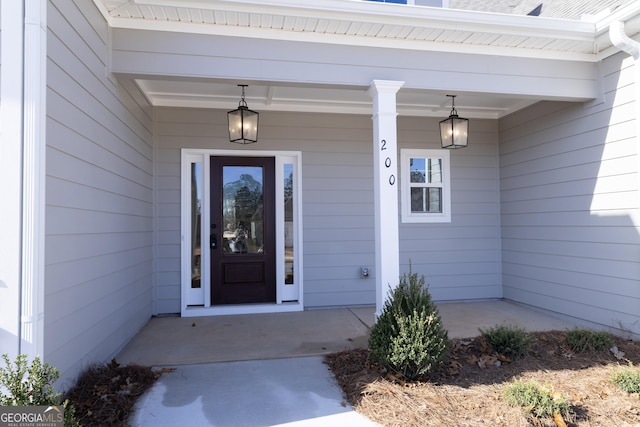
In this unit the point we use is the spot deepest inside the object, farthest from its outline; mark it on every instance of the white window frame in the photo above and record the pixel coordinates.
(425, 217)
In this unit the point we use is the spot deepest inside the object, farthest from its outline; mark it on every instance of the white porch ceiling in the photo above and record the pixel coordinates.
(260, 97)
(361, 23)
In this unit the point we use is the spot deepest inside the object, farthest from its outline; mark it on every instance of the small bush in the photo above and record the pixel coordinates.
(32, 385)
(628, 380)
(408, 338)
(511, 341)
(581, 340)
(537, 401)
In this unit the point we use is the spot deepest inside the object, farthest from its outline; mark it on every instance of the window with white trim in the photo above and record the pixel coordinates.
(426, 186)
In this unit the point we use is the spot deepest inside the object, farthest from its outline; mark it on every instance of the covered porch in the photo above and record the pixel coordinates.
(180, 340)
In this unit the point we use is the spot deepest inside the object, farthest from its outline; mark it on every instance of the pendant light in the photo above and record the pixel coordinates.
(243, 123)
(454, 130)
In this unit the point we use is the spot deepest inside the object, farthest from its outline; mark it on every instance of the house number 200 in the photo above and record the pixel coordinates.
(387, 162)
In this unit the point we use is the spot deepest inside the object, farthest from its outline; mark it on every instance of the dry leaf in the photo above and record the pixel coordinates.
(487, 359)
(559, 420)
(503, 358)
(454, 368)
(166, 370)
(395, 378)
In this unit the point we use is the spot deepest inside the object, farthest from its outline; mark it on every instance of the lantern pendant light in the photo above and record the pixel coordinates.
(243, 123)
(454, 131)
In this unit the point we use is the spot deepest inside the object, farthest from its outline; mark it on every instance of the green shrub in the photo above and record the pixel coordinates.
(408, 338)
(628, 380)
(581, 340)
(32, 385)
(537, 401)
(511, 341)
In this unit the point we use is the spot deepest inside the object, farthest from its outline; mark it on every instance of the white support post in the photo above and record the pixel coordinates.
(385, 164)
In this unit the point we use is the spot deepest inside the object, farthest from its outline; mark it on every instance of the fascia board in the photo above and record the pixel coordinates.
(629, 13)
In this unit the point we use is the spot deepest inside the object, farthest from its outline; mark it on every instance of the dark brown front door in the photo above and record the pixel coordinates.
(242, 230)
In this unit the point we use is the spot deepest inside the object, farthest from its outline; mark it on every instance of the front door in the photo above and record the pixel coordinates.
(242, 234)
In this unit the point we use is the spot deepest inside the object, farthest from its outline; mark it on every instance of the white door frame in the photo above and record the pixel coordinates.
(197, 302)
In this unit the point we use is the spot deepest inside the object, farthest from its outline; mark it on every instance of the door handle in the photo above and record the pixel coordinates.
(213, 238)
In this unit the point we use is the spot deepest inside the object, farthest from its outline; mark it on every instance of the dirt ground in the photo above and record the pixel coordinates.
(468, 389)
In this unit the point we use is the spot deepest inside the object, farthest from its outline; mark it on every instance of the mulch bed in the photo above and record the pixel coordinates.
(468, 389)
(105, 395)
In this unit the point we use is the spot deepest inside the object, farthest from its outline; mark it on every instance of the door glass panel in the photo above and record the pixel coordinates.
(242, 204)
(289, 225)
(196, 223)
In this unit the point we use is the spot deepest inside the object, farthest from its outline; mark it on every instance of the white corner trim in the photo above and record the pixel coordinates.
(33, 178)
(11, 117)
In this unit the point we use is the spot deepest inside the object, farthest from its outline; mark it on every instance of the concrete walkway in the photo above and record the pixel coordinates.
(298, 391)
(267, 369)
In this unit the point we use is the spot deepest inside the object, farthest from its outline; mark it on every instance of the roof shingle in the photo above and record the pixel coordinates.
(561, 9)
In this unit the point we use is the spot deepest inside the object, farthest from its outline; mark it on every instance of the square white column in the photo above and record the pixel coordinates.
(385, 165)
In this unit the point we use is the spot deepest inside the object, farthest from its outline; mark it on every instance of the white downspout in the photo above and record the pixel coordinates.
(622, 41)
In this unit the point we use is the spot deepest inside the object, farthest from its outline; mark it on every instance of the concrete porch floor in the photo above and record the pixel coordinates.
(180, 341)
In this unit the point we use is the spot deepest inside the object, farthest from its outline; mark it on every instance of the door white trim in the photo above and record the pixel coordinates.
(289, 297)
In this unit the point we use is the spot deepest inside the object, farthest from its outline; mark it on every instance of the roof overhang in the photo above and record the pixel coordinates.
(367, 24)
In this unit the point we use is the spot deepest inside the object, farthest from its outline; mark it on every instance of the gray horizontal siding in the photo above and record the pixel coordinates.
(461, 260)
(99, 213)
(569, 201)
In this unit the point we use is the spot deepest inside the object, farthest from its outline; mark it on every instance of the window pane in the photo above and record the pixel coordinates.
(288, 224)
(418, 170)
(426, 170)
(435, 199)
(196, 220)
(426, 200)
(435, 170)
